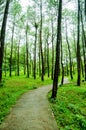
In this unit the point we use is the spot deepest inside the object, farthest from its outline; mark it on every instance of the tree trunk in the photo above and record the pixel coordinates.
(12, 48)
(78, 47)
(18, 59)
(27, 62)
(2, 36)
(5, 59)
(39, 65)
(83, 44)
(71, 75)
(56, 71)
(67, 68)
(52, 53)
(85, 9)
(82, 68)
(24, 64)
(30, 65)
(48, 56)
(36, 26)
(62, 65)
(41, 49)
(45, 57)
(39, 57)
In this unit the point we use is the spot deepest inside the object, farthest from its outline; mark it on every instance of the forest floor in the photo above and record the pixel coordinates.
(31, 112)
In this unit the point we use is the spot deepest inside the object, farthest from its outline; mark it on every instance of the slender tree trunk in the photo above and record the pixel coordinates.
(82, 68)
(24, 64)
(35, 50)
(5, 59)
(41, 49)
(45, 57)
(48, 67)
(62, 65)
(30, 65)
(85, 9)
(2, 36)
(67, 67)
(39, 64)
(83, 44)
(12, 48)
(71, 75)
(52, 53)
(18, 59)
(27, 52)
(83, 55)
(56, 71)
(78, 47)
(39, 58)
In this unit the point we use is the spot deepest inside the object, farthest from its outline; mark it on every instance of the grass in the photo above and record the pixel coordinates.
(70, 107)
(12, 88)
(74, 80)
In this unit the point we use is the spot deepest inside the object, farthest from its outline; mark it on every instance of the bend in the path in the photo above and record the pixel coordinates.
(32, 112)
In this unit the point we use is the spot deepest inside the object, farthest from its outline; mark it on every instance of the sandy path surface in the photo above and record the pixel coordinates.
(31, 112)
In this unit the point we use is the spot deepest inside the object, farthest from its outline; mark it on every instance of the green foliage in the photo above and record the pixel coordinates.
(16, 8)
(70, 107)
(53, 3)
(12, 88)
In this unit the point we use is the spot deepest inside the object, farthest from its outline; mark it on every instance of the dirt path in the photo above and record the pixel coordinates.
(31, 112)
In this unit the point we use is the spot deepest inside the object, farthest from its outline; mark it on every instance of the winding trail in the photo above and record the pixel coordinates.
(31, 112)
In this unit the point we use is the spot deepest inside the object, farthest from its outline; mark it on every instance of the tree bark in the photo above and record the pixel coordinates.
(71, 75)
(52, 53)
(45, 57)
(48, 67)
(83, 44)
(78, 47)
(5, 53)
(85, 9)
(18, 59)
(24, 64)
(39, 55)
(27, 53)
(41, 49)
(56, 71)
(36, 26)
(67, 67)
(12, 48)
(2, 36)
(39, 64)
(62, 65)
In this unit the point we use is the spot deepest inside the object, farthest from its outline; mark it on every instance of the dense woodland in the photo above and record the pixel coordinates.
(43, 42)
(48, 37)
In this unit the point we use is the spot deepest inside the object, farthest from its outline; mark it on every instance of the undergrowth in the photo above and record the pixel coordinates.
(69, 107)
